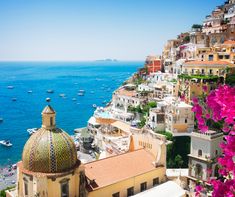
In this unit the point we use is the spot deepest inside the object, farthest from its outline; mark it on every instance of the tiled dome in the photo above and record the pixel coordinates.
(49, 150)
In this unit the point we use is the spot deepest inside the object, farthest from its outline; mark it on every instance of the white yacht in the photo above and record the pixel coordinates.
(6, 143)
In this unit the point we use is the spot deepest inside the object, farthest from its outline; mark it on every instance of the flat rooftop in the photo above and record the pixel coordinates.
(114, 169)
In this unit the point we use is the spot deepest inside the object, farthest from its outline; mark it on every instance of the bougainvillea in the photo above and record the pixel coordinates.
(219, 106)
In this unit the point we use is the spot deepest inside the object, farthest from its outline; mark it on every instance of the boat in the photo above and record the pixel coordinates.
(80, 94)
(50, 91)
(94, 106)
(6, 143)
(104, 102)
(32, 131)
(62, 95)
(92, 92)
(14, 99)
(1, 120)
(82, 91)
(30, 91)
(10, 87)
(74, 99)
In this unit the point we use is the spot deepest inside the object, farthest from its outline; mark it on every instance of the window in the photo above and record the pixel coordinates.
(65, 189)
(130, 191)
(116, 194)
(153, 119)
(51, 121)
(216, 152)
(143, 186)
(186, 120)
(26, 192)
(211, 57)
(155, 182)
(198, 171)
(203, 72)
(211, 72)
(199, 153)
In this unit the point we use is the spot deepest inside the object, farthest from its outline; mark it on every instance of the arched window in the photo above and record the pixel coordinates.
(199, 153)
(51, 121)
(64, 185)
(26, 190)
(198, 171)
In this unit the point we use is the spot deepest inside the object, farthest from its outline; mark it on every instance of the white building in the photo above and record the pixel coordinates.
(205, 150)
(179, 118)
(156, 120)
(122, 100)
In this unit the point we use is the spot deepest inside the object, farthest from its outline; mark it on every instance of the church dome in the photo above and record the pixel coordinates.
(50, 149)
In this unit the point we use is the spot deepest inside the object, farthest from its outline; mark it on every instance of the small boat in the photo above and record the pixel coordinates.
(74, 99)
(1, 120)
(30, 91)
(62, 95)
(104, 102)
(50, 91)
(92, 92)
(6, 143)
(94, 106)
(32, 131)
(10, 87)
(82, 91)
(80, 94)
(14, 99)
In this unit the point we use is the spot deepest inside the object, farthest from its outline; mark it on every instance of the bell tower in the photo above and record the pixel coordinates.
(48, 117)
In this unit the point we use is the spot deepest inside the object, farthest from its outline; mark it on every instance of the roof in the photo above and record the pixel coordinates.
(48, 110)
(118, 168)
(208, 62)
(121, 125)
(167, 189)
(124, 92)
(229, 42)
(92, 121)
(49, 151)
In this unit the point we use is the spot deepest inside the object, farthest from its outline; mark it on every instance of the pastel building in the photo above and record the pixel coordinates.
(179, 118)
(200, 77)
(50, 167)
(153, 64)
(205, 149)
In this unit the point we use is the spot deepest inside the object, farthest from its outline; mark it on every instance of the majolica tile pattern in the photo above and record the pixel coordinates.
(49, 151)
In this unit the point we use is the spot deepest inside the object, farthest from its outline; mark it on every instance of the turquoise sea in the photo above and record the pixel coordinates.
(98, 79)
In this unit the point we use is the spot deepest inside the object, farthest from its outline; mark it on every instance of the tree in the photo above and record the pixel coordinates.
(179, 161)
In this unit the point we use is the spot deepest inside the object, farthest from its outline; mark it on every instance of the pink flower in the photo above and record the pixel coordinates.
(221, 105)
(204, 88)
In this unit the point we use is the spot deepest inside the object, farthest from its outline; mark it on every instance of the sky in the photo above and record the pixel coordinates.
(80, 30)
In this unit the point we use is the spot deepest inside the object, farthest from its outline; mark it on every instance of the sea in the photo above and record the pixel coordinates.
(22, 104)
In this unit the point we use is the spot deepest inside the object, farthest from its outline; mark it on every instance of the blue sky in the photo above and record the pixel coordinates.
(72, 30)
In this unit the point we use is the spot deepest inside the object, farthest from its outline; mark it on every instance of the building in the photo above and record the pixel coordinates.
(50, 167)
(124, 175)
(123, 98)
(179, 118)
(153, 64)
(205, 149)
(156, 119)
(200, 77)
